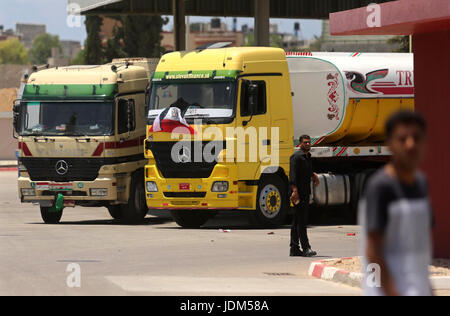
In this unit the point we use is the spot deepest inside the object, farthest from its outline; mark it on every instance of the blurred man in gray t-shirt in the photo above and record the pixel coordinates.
(396, 216)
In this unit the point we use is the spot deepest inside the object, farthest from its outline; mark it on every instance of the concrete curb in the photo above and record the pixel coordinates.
(320, 270)
(8, 165)
(8, 168)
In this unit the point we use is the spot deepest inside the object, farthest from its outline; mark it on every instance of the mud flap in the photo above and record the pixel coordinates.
(59, 204)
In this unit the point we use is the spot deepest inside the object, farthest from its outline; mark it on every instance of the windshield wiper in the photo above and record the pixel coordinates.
(205, 118)
(43, 139)
(81, 139)
(197, 116)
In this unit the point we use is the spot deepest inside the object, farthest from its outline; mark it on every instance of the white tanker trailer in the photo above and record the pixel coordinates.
(343, 100)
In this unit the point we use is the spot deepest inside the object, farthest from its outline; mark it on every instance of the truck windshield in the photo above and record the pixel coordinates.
(208, 100)
(67, 118)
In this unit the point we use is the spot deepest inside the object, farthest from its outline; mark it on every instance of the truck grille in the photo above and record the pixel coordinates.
(79, 169)
(189, 168)
(185, 194)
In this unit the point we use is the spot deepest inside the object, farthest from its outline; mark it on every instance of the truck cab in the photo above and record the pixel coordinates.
(81, 131)
(235, 155)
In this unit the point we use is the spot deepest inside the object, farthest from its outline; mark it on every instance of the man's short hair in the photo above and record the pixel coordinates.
(303, 137)
(405, 117)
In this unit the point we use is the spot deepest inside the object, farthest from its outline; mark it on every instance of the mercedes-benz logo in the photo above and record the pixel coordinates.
(62, 167)
(184, 155)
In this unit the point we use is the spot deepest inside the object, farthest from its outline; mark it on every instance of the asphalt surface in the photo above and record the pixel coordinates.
(157, 257)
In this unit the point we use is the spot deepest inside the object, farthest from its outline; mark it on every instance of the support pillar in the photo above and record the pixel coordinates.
(262, 22)
(179, 24)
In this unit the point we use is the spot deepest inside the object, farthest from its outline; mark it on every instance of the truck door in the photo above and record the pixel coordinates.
(254, 118)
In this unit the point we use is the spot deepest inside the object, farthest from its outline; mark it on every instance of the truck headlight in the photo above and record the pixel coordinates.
(220, 186)
(21, 167)
(28, 192)
(99, 192)
(152, 187)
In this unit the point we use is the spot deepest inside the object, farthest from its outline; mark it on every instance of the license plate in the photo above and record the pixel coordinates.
(61, 186)
(42, 186)
(184, 186)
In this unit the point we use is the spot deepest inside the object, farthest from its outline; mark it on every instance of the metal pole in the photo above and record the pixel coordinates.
(262, 22)
(179, 24)
(410, 43)
(188, 33)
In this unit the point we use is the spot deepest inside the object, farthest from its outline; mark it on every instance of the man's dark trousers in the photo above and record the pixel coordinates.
(299, 225)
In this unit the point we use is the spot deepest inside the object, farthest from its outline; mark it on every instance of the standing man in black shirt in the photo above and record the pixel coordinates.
(300, 180)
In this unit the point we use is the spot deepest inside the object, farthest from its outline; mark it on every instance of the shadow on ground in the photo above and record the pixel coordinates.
(226, 220)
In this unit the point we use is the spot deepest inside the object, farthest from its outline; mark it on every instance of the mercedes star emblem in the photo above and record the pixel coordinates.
(62, 167)
(185, 155)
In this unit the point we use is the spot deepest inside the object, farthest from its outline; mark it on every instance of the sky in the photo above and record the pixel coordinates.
(53, 14)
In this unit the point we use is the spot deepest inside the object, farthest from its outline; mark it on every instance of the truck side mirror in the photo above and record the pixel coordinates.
(249, 100)
(147, 98)
(16, 118)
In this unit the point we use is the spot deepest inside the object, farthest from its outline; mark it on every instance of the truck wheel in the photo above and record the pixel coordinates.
(359, 185)
(190, 219)
(115, 211)
(50, 217)
(136, 209)
(271, 203)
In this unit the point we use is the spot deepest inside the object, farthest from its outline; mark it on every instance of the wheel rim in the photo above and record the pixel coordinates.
(270, 201)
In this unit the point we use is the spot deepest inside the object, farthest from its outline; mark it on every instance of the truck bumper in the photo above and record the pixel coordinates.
(175, 194)
(72, 190)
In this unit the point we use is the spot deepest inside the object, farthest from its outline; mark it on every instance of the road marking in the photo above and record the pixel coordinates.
(440, 283)
(232, 285)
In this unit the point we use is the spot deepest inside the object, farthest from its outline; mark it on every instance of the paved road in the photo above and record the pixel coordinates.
(156, 258)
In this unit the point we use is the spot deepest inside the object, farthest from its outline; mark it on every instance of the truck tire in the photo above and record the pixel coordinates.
(115, 211)
(271, 203)
(50, 217)
(136, 209)
(190, 219)
(359, 185)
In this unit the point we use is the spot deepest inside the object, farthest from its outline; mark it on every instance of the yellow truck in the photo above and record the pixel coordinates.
(223, 123)
(81, 131)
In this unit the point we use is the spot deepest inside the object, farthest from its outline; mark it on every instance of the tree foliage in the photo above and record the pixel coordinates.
(133, 36)
(140, 35)
(316, 45)
(41, 48)
(402, 42)
(13, 52)
(80, 59)
(93, 45)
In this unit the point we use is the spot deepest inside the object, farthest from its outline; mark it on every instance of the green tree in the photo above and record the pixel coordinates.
(402, 42)
(93, 46)
(41, 48)
(80, 59)
(133, 36)
(249, 39)
(276, 40)
(141, 35)
(114, 46)
(13, 52)
(196, 27)
(316, 45)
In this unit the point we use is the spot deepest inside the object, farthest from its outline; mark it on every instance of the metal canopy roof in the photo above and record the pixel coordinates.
(306, 9)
